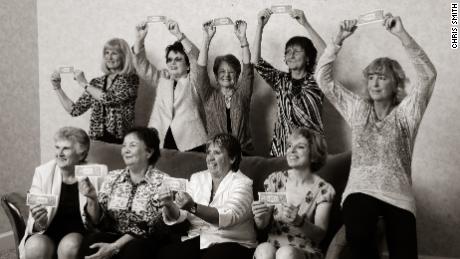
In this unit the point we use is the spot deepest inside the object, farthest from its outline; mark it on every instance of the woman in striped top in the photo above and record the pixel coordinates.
(298, 96)
(218, 206)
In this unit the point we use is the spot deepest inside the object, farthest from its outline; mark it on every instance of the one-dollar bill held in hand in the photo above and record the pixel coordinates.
(281, 8)
(273, 198)
(47, 200)
(93, 170)
(370, 17)
(156, 18)
(175, 184)
(222, 21)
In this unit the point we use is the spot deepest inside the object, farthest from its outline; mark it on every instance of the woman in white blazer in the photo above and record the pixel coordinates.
(52, 231)
(177, 111)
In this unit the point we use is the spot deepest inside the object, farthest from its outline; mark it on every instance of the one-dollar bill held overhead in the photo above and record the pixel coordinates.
(222, 21)
(175, 184)
(370, 17)
(281, 8)
(156, 18)
(273, 198)
(93, 170)
(47, 200)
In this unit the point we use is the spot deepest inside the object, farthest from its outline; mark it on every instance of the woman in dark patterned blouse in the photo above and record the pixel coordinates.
(111, 96)
(296, 228)
(126, 209)
(298, 96)
(227, 106)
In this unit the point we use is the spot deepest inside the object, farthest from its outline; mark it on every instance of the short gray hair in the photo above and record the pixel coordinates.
(76, 135)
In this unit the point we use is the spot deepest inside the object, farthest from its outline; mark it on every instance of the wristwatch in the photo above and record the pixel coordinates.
(193, 208)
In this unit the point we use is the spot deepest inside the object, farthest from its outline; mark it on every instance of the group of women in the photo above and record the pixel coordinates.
(132, 214)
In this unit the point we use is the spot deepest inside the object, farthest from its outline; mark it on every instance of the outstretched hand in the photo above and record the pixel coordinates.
(346, 29)
(173, 28)
(394, 25)
(209, 30)
(141, 30)
(87, 189)
(299, 16)
(263, 16)
(240, 30)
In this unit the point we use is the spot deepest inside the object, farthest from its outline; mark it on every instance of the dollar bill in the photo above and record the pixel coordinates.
(273, 198)
(281, 8)
(66, 69)
(156, 18)
(222, 21)
(370, 17)
(47, 200)
(95, 170)
(175, 184)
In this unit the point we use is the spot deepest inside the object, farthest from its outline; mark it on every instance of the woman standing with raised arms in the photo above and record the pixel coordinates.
(298, 96)
(384, 128)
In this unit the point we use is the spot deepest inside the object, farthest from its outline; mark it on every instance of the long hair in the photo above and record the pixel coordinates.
(122, 46)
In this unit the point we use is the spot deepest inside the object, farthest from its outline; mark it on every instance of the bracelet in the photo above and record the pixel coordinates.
(181, 37)
(193, 208)
(245, 45)
(86, 86)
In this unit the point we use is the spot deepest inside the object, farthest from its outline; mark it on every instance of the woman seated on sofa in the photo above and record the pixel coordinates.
(296, 228)
(126, 209)
(176, 102)
(52, 231)
(111, 96)
(227, 107)
(218, 206)
(298, 96)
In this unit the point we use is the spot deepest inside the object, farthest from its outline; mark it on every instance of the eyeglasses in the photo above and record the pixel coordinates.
(176, 60)
(289, 52)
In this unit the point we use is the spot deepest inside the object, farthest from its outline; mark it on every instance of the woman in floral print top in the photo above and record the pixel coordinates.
(296, 228)
(298, 96)
(111, 96)
(126, 209)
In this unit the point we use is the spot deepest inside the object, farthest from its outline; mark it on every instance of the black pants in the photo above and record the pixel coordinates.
(361, 213)
(136, 248)
(190, 249)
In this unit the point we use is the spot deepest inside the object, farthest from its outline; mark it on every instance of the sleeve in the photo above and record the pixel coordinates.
(345, 101)
(326, 193)
(123, 90)
(237, 207)
(415, 104)
(146, 70)
(203, 83)
(270, 74)
(247, 80)
(193, 58)
(82, 104)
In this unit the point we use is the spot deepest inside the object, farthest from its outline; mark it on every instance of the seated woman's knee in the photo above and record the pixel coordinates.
(39, 246)
(70, 245)
(289, 252)
(265, 251)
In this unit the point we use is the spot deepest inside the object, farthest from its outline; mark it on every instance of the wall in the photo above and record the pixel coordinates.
(73, 33)
(19, 104)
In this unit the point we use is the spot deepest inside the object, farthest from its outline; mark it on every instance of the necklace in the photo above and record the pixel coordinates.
(228, 94)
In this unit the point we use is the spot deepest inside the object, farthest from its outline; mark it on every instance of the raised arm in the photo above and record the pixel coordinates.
(240, 32)
(425, 70)
(318, 42)
(262, 18)
(190, 48)
(63, 98)
(340, 97)
(146, 70)
(209, 30)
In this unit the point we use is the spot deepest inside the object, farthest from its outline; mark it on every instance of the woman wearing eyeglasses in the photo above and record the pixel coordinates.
(299, 98)
(176, 111)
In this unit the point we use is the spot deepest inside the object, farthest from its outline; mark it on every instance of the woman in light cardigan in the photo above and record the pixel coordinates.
(384, 127)
(218, 206)
(177, 109)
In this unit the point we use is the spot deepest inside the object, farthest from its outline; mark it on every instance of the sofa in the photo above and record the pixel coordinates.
(183, 164)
